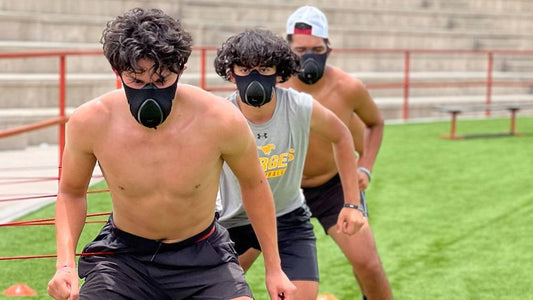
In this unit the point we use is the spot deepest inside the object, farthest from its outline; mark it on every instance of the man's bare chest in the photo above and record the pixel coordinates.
(163, 160)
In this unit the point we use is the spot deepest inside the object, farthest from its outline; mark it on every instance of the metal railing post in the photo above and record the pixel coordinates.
(203, 54)
(490, 63)
(62, 102)
(406, 85)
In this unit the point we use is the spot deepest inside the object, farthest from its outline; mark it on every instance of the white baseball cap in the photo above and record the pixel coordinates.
(311, 16)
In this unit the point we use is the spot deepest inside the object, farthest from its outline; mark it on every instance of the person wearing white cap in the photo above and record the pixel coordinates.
(347, 97)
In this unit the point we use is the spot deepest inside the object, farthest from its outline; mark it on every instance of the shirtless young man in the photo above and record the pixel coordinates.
(347, 97)
(281, 120)
(161, 146)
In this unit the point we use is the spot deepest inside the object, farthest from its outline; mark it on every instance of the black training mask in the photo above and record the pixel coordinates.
(313, 66)
(150, 105)
(255, 89)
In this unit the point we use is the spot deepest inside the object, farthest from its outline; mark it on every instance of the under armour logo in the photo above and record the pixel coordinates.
(263, 136)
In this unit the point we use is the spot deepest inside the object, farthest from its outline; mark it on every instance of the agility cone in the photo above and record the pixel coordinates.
(19, 290)
(326, 297)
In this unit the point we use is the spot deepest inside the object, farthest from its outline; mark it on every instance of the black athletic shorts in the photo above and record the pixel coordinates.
(296, 243)
(326, 202)
(204, 266)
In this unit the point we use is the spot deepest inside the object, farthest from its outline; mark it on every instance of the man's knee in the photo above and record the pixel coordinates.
(367, 266)
(363, 254)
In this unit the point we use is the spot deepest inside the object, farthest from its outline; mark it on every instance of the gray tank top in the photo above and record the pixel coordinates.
(282, 146)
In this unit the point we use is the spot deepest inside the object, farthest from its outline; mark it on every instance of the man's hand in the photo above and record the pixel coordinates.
(64, 284)
(363, 179)
(279, 286)
(350, 221)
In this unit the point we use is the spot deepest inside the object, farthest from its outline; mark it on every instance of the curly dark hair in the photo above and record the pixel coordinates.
(146, 34)
(257, 47)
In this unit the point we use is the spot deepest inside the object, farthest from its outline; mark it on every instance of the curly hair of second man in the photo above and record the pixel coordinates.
(257, 47)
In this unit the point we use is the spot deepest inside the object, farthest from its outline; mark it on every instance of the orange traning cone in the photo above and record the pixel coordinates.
(18, 290)
(326, 297)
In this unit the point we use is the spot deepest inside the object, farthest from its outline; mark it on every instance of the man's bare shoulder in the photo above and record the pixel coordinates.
(96, 112)
(90, 120)
(354, 91)
(187, 92)
(350, 82)
(350, 88)
(215, 110)
(221, 121)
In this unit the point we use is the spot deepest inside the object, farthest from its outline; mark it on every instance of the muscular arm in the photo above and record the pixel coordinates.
(241, 157)
(256, 194)
(71, 208)
(71, 205)
(357, 128)
(326, 124)
(329, 126)
(367, 110)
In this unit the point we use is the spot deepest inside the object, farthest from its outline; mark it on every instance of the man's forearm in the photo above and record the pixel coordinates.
(69, 220)
(347, 166)
(262, 215)
(373, 138)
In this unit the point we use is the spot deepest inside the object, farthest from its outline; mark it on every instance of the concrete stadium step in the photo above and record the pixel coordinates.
(41, 90)
(88, 7)
(8, 121)
(423, 24)
(497, 5)
(318, 3)
(35, 26)
(20, 45)
(419, 62)
(341, 4)
(423, 107)
(458, 76)
(35, 65)
(376, 78)
(58, 27)
(489, 21)
(400, 18)
(447, 91)
(519, 65)
(373, 28)
(374, 36)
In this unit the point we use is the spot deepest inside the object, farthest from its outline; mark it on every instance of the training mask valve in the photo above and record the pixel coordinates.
(313, 66)
(150, 105)
(255, 89)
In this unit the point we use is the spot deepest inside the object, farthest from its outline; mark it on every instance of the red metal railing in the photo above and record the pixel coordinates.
(406, 84)
(61, 119)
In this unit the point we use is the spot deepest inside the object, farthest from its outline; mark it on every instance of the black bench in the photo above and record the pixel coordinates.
(454, 110)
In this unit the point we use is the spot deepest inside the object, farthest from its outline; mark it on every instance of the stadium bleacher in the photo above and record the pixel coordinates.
(30, 91)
